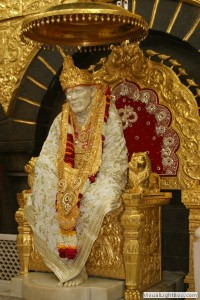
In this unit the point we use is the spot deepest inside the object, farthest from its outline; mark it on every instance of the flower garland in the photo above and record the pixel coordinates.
(69, 234)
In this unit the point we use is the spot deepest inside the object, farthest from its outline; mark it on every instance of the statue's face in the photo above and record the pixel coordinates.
(80, 97)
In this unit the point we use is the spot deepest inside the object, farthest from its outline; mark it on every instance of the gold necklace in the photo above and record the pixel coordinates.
(83, 133)
(89, 163)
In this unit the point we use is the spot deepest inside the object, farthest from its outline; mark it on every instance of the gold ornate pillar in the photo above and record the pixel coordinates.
(141, 222)
(24, 238)
(131, 221)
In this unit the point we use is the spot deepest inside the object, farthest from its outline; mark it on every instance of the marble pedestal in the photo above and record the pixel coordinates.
(43, 286)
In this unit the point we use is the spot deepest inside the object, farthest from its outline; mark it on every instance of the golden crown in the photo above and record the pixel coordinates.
(72, 76)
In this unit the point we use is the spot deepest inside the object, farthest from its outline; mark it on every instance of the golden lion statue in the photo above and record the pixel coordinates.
(141, 179)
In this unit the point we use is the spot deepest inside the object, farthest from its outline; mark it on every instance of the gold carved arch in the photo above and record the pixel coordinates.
(128, 62)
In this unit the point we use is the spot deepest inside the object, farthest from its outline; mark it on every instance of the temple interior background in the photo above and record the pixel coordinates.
(174, 31)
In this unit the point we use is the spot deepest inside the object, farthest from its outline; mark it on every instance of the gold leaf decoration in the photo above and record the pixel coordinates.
(182, 72)
(163, 57)
(151, 53)
(174, 63)
(191, 82)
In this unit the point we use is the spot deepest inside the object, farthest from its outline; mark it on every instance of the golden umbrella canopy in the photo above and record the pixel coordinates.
(84, 23)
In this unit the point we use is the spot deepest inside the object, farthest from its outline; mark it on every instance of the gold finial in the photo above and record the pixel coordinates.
(72, 76)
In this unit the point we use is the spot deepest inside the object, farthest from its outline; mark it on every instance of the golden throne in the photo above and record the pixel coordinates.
(129, 243)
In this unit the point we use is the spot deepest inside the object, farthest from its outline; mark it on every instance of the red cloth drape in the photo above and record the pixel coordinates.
(147, 126)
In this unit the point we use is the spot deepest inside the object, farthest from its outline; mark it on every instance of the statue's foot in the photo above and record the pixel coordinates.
(78, 280)
(60, 283)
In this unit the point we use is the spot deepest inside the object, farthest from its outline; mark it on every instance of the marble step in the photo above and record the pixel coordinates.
(42, 286)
